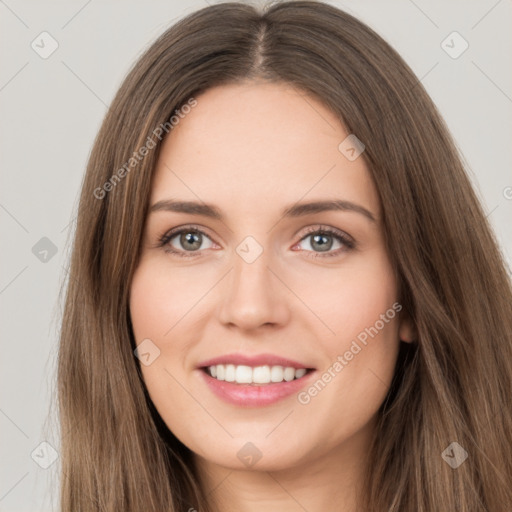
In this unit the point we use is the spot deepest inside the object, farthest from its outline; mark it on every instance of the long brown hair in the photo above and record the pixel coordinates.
(453, 385)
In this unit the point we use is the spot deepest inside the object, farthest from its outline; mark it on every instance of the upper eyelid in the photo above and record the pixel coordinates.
(171, 233)
(332, 231)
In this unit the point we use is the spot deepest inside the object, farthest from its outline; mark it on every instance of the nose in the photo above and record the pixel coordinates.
(254, 296)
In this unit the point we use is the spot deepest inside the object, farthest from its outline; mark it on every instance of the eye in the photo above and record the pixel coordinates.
(189, 240)
(321, 241)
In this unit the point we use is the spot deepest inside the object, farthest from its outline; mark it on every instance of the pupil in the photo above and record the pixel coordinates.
(322, 246)
(191, 238)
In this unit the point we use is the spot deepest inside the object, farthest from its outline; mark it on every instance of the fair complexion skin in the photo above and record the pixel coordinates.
(252, 150)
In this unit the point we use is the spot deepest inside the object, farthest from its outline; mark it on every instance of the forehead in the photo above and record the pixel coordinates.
(258, 144)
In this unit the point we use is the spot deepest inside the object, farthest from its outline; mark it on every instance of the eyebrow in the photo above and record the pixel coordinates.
(296, 210)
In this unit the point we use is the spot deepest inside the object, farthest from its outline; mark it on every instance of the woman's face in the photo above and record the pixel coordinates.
(268, 277)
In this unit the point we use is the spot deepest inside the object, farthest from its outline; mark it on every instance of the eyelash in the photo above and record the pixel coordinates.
(349, 244)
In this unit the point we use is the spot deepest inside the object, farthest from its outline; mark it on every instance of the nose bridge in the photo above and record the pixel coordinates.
(252, 297)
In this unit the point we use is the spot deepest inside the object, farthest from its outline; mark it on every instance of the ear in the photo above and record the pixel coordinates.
(407, 330)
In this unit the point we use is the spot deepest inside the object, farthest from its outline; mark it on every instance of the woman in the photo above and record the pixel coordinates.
(283, 289)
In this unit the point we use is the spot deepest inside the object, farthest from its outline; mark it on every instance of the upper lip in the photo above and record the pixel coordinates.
(254, 360)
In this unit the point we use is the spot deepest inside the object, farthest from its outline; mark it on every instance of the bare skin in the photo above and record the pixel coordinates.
(253, 150)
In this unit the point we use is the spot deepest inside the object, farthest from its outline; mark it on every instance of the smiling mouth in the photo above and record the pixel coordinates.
(255, 376)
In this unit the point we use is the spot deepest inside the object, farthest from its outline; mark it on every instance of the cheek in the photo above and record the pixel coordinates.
(353, 299)
(368, 311)
(146, 302)
(362, 351)
(160, 299)
(156, 309)
(163, 303)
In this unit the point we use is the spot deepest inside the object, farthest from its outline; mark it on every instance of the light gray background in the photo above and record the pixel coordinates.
(52, 108)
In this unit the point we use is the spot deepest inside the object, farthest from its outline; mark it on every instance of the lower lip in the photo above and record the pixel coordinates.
(247, 395)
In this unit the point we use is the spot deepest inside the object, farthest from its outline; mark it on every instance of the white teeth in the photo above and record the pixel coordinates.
(230, 373)
(289, 374)
(261, 374)
(276, 373)
(300, 373)
(242, 374)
